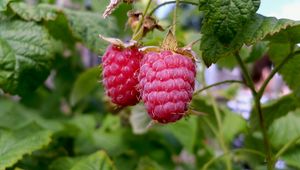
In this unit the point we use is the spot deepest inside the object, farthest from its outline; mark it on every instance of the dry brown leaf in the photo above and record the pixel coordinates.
(109, 9)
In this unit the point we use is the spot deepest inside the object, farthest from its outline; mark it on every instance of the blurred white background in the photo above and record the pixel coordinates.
(281, 8)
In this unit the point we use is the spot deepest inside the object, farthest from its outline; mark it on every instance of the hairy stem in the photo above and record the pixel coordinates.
(137, 29)
(249, 81)
(171, 2)
(175, 17)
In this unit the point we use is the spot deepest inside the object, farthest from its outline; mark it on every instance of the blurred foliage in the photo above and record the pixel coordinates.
(54, 113)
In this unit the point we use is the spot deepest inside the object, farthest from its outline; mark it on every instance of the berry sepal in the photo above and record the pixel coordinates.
(170, 44)
(118, 42)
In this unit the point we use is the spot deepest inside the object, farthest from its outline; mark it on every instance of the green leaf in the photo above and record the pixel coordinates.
(15, 116)
(108, 137)
(3, 5)
(15, 144)
(258, 50)
(95, 161)
(261, 27)
(139, 119)
(223, 20)
(146, 163)
(85, 84)
(83, 126)
(292, 157)
(274, 110)
(212, 49)
(232, 125)
(84, 26)
(285, 129)
(230, 61)
(63, 163)
(256, 29)
(85, 123)
(226, 17)
(201, 104)
(181, 128)
(60, 30)
(25, 56)
(34, 13)
(289, 35)
(87, 26)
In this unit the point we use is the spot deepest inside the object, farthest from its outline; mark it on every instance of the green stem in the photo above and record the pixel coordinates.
(267, 145)
(246, 74)
(220, 128)
(220, 135)
(175, 17)
(217, 84)
(137, 29)
(250, 83)
(274, 71)
(255, 152)
(210, 162)
(171, 2)
(210, 125)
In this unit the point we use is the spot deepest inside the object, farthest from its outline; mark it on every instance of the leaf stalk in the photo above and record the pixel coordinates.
(217, 84)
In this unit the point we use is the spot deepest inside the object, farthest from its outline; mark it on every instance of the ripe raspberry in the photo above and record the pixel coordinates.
(120, 74)
(167, 83)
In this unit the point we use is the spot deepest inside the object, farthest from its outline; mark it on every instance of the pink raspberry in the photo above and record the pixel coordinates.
(166, 83)
(120, 74)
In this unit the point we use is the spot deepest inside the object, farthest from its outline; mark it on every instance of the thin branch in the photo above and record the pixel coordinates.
(286, 147)
(171, 2)
(274, 71)
(217, 84)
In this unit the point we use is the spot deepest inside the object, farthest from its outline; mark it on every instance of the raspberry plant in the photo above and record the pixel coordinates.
(54, 113)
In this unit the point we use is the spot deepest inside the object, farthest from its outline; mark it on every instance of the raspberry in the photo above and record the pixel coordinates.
(166, 82)
(120, 74)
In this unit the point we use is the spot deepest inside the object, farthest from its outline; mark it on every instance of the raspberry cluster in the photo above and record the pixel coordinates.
(164, 80)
